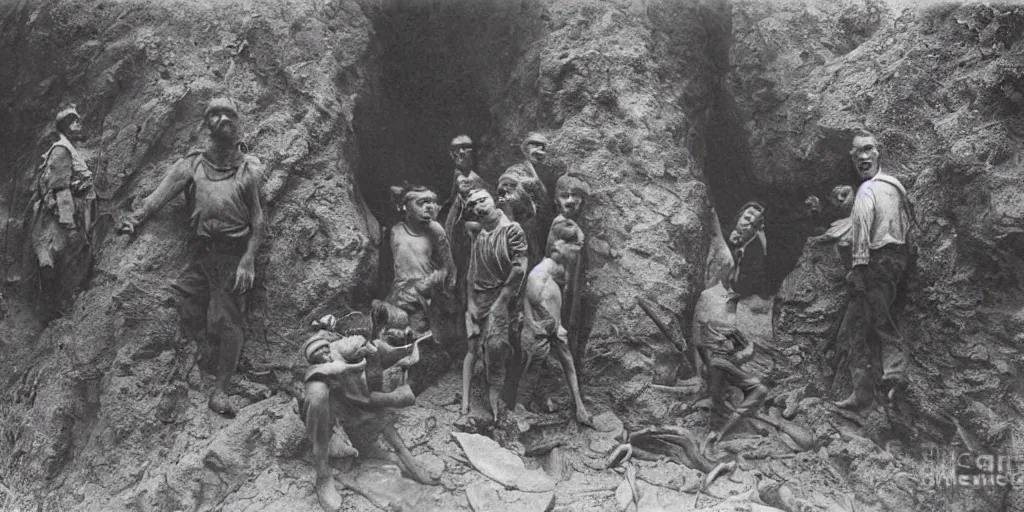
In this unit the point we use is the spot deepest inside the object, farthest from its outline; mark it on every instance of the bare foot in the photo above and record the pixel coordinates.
(327, 494)
(340, 446)
(220, 403)
(418, 473)
(583, 417)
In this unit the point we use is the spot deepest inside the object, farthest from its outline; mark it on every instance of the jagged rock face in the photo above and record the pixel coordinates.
(941, 88)
(141, 73)
(621, 91)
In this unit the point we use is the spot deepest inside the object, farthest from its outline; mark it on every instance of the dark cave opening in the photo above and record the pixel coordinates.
(732, 182)
(428, 90)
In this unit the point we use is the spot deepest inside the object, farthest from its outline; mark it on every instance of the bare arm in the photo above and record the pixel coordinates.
(442, 254)
(246, 272)
(172, 184)
(512, 285)
(535, 291)
(517, 251)
(256, 221)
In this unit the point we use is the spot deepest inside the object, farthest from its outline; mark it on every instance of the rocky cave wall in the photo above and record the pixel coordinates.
(621, 88)
(79, 396)
(941, 88)
(665, 106)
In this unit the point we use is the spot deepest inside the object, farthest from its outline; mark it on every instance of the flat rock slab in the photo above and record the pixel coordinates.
(491, 497)
(501, 465)
(384, 486)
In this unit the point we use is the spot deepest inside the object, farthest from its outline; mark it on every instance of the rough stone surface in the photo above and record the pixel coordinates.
(665, 106)
(941, 88)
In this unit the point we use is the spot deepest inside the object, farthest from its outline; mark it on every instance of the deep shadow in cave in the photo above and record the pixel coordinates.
(428, 91)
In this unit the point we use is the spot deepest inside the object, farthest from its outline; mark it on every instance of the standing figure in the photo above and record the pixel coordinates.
(337, 394)
(497, 266)
(542, 326)
(222, 184)
(749, 249)
(63, 216)
(534, 149)
(880, 222)
(464, 181)
(423, 265)
(578, 311)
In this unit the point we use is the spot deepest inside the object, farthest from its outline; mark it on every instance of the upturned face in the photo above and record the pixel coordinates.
(421, 207)
(481, 204)
(842, 198)
(865, 156)
(223, 124)
(536, 152)
(74, 129)
(570, 202)
(748, 223)
(462, 156)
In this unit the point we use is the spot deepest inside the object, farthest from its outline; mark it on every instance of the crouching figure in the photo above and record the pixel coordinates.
(338, 403)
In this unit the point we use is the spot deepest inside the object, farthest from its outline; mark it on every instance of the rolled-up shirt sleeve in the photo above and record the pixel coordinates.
(861, 217)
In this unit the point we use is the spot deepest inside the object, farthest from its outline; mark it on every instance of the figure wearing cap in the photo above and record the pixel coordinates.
(341, 406)
(222, 185)
(453, 211)
(535, 219)
(63, 215)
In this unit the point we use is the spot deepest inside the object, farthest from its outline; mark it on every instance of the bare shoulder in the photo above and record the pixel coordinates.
(436, 228)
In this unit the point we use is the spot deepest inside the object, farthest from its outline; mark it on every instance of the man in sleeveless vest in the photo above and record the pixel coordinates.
(63, 216)
(880, 224)
(227, 217)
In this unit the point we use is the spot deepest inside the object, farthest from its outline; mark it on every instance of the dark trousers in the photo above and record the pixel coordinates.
(206, 301)
(868, 328)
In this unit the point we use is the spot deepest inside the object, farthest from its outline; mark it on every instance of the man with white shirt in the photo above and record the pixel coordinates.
(880, 252)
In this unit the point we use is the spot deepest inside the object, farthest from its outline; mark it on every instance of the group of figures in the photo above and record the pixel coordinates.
(508, 264)
(503, 263)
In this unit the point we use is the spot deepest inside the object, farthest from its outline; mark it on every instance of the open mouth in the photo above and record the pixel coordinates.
(864, 165)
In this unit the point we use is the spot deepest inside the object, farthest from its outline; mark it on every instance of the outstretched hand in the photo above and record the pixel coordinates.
(245, 275)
